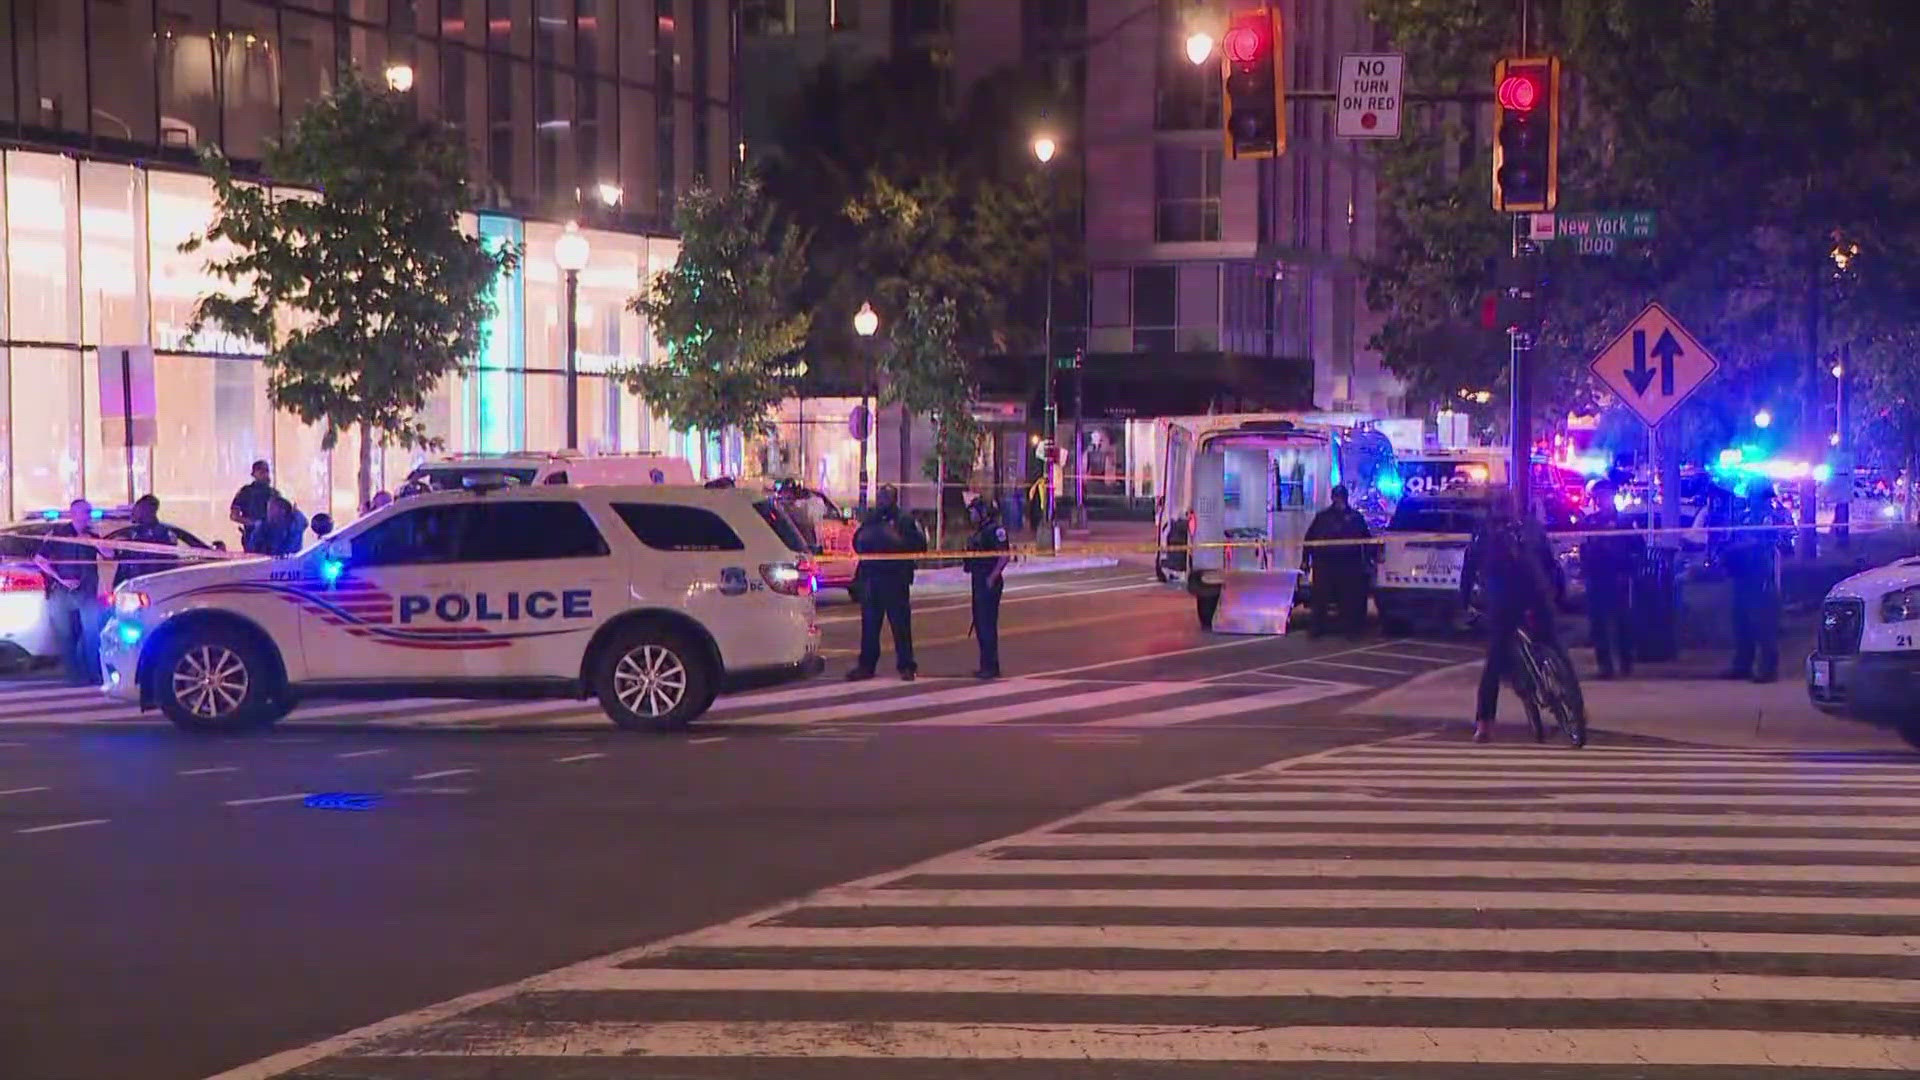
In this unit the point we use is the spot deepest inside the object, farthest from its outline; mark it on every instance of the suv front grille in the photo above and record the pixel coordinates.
(1840, 624)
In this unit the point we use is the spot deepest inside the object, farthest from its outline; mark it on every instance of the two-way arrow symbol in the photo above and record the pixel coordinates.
(1665, 350)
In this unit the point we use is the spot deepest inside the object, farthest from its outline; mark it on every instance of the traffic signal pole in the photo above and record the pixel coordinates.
(1050, 422)
(1521, 338)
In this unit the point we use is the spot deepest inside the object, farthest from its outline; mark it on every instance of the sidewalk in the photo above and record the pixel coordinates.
(1679, 701)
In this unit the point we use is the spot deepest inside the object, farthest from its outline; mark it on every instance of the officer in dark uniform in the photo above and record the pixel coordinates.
(1751, 556)
(985, 572)
(1606, 566)
(71, 568)
(886, 584)
(249, 506)
(1339, 570)
(145, 529)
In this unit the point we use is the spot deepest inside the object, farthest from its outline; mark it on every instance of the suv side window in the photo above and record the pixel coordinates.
(422, 537)
(664, 527)
(524, 531)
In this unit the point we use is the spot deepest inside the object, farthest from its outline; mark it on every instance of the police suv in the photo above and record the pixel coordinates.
(1866, 663)
(652, 599)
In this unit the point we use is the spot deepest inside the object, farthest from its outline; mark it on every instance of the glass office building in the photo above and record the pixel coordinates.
(596, 110)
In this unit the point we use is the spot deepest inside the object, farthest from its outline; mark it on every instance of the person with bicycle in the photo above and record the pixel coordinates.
(1512, 564)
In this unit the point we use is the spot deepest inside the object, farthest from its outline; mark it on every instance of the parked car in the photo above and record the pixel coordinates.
(827, 528)
(26, 630)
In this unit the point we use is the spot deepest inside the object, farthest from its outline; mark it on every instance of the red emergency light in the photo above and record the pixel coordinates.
(1520, 93)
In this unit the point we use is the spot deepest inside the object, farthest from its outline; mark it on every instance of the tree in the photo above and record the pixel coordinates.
(927, 376)
(724, 313)
(1757, 131)
(363, 287)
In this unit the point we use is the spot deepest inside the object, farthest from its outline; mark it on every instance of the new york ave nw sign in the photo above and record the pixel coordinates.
(1654, 365)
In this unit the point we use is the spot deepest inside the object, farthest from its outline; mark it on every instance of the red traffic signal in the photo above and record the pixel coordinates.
(1520, 92)
(1245, 40)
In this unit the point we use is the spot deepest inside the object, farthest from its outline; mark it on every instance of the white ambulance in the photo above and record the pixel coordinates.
(458, 471)
(652, 599)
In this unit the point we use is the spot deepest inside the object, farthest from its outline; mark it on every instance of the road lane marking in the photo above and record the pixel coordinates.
(869, 708)
(363, 753)
(262, 799)
(808, 692)
(1185, 1043)
(1052, 706)
(1254, 983)
(1357, 667)
(1308, 939)
(1520, 869)
(439, 773)
(1233, 706)
(209, 771)
(1130, 586)
(577, 757)
(1408, 656)
(1014, 631)
(1149, 657)
(1413, 899)
(23, 790)
(61, 825)
(708, 739)
(1512, 819)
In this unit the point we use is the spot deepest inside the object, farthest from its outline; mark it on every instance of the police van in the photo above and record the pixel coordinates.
(456, 472)
(652, 599)
(1866, 660)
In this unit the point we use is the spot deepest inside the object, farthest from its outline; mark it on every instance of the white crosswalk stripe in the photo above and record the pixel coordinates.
(1164, 937)
(926, 703)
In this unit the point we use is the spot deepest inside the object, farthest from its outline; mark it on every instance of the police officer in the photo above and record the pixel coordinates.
(249, 506)
(284, 530)
(886, 584)
(1606, 566)
(71, 569)
(145, 529)
(985, 572)
(1751, 556)
(1339, 569)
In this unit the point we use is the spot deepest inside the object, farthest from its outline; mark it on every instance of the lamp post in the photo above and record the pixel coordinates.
(399, 77)
(1044, 147)
(570, 255)
(866, 322)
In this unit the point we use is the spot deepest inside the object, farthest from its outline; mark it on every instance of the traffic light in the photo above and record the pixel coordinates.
(1255, 115)
(1526, 135)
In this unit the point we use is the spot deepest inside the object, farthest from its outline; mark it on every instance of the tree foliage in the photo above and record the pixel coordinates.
(925, 372)
(899, 189)
(1758, 130)
(365, 292)
(724, 314)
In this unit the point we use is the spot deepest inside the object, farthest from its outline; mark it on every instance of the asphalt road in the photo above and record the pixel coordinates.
(174, 907)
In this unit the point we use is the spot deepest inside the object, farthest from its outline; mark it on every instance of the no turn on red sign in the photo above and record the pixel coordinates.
(1370, 96)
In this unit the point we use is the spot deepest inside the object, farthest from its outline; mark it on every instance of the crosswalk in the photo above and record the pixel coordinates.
(1410, 908)
(1094, 705)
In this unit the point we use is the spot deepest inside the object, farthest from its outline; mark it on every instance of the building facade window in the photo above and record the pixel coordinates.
(122, 41)
(666, 64)
(1186, 194)
(768, 18)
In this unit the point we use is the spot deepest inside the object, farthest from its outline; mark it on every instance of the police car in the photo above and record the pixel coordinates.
(1865, 662)
(652, 599)
(1417, 581)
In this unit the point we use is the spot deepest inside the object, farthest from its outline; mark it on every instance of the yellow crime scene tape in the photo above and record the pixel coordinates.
(1035, 551)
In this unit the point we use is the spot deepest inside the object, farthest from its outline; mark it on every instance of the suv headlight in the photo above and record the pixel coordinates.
(1902, 605)
(127, 601)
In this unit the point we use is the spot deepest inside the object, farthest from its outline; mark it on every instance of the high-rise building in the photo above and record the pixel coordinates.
(597, 110)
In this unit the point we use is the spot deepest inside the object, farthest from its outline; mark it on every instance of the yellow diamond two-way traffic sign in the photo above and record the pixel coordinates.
(1654, 364)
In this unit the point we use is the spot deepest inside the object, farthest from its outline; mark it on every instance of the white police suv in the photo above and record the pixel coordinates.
(652, 599)
(1866, 656)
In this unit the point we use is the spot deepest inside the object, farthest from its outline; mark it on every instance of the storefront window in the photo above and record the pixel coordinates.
(6, 438)
(546, 411)
(42, 257)
(113, 254)
(213, 425)
(47, 443)
(499, 404)
(301, 470)
(180, 206)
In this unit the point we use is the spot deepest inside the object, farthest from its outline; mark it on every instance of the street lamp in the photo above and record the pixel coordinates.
(866, 323)
(400, 78)
(1763, 419)
(1199, 47)
(1044, 147)
(570, 255)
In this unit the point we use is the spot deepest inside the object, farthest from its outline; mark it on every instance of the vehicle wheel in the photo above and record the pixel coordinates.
(215, 681)
(1568, 704)
(1205, 605)
(652, 679)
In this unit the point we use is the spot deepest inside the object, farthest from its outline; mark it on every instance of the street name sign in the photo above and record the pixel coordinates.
(1369, 97)
(1654, 365)
(1600, 232)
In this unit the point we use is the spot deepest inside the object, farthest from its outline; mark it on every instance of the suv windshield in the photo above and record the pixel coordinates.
(456, 478)
(1427, 517)
(776, 516)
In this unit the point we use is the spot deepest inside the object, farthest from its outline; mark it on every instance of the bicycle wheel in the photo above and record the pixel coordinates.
(1526, 683)
(1563, 697)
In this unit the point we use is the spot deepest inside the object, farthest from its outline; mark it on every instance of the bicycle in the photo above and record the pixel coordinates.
(1544, 678)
